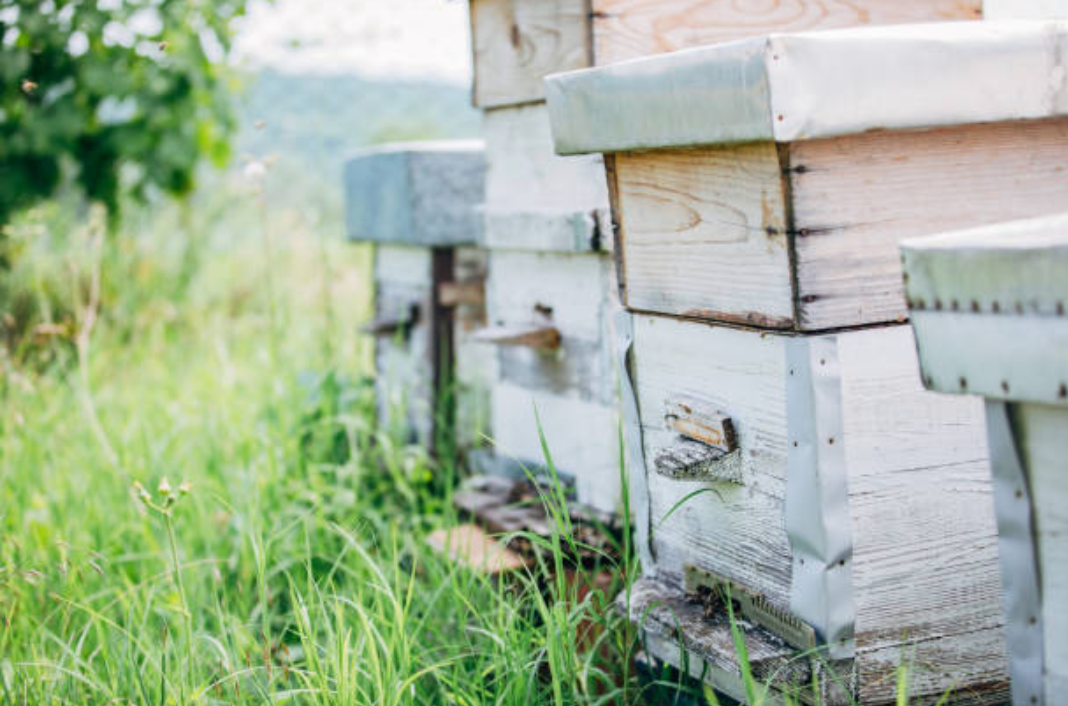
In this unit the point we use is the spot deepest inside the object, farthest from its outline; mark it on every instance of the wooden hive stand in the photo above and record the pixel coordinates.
(988, 306)
(761, 188)
(418, 203)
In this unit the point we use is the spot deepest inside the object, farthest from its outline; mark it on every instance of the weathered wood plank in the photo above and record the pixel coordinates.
(516, 43)
(582, 437)
(526, 176)
(1044, 443)
(627, 29)
(925, 559)
(736, 531)
(470, 546)
(704, 233)
(969, 665)
(856, 197)
(536, 336)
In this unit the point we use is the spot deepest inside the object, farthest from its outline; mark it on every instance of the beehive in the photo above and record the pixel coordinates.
(418, 202)
(768, 181)
(784, 445)
(988, 306)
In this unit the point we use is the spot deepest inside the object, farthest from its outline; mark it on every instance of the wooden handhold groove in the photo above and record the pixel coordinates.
(693, 460)
(462, 294)
(754, 607)
(535, 336)
(711, 428)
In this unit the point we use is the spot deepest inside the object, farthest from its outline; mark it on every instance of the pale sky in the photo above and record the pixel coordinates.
(379, 38)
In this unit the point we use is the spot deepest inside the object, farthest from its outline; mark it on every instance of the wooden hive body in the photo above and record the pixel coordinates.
(814, 154)
(549, 298)
(418, 204)
(765, 185)
(850, 486)
(989, 308)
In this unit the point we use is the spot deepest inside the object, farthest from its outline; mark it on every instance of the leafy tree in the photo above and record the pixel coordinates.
(121, 96)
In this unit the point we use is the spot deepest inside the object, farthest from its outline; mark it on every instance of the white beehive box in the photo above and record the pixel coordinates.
(549, 299)
(989, 309)
(768, 181)
(516, 43)
(842, 497)
(419, 203)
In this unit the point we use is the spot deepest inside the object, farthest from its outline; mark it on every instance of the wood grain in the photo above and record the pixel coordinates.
(856, 197)
(627, 29)
(925, 567)
(737, 532)
(703, 233)
(517, 43)
(926, 579)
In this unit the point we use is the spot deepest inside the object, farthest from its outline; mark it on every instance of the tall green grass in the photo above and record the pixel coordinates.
(290, 567)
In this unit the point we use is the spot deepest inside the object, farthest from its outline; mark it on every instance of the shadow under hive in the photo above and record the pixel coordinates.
(418, 203)
(988, 306)
(759, 214)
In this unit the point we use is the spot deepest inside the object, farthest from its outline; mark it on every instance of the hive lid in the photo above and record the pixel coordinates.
(989, 308)
(416, 193)
(788, 87)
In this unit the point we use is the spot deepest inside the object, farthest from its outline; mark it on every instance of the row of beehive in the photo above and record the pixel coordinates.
(845, 506)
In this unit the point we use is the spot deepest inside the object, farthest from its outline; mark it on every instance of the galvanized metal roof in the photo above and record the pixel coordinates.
(989, 309)
(788, 87)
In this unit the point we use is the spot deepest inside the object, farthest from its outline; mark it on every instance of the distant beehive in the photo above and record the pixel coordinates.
(761, 188)
(989, 309)
(419, 203)
(550, 292)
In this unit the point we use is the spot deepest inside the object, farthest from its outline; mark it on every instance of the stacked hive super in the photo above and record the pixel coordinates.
(418, 202)
(791, 453)
(988, 306)
(550, 289)
(549, 286)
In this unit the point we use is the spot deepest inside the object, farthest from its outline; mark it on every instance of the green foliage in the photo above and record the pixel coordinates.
(124, 95)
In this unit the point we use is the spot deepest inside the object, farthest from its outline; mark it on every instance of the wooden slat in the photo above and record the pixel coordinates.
(538, 336)
(693, 419)
(704, 234)
(462, 293)
(735, 531)
(856, 197)
(627, 29)
(518, 42)
(472, 547)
